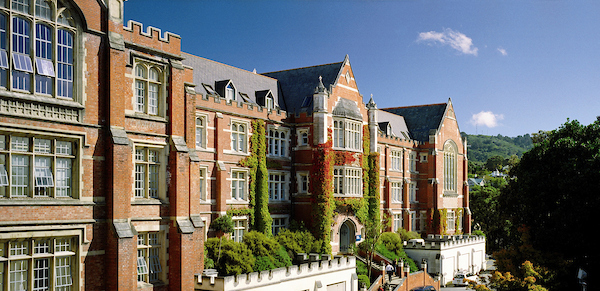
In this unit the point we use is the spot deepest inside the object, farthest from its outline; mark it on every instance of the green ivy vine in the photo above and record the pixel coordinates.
(260, 218)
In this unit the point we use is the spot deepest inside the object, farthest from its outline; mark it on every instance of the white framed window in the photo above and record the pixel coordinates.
(303, 182)
(396, 160)
(239, 136)
(279, 224)
(412, 161)
(41, 263)
(147, 172)
(239, 182)
(347, 134)
(417, 220)
(450, 168)
(230, 92)
(201, 132)
(397, 222)
(347, 181)
(303, 137)
(149, 87)
(203, 183)
(37, 166)
(277, 141)
(149, 253)
(396, 191)
(412, 192)
(277, 186)
(37, 51)
(240, 226)
(451, 220)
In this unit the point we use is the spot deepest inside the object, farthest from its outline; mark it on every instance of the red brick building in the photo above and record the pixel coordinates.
(117, 150)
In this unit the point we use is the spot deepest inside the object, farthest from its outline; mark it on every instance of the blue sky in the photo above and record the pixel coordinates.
(510, 67)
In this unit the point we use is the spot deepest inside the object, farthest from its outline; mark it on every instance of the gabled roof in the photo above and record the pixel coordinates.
(420, 120)
(395, 121)
(214, 74)
(296, 84)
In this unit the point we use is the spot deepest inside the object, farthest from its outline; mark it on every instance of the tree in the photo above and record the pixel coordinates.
(495, 163)
(527, 280)
(483, 202)
(554, 194)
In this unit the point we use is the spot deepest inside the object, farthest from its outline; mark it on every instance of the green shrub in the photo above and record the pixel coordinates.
(230, 257)
(263, 263)
(398, 255)
(222, 223)
(282, 259)
(406, 235)
(363, 280)
(301, 241)
(260, 244)
(391, 241)
(361, 268)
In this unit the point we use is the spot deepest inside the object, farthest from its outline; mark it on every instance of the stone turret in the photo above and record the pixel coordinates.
(373, 125)
(320, 98)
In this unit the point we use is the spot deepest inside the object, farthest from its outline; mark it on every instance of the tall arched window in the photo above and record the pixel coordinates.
(450, 167)
(37, 47)
(147, 88)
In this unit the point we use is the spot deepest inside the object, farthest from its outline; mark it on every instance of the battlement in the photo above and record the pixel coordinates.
(252, 107)
(150, 31)
(152, 37)
(400, 139)
(328, 267)
(437, 242)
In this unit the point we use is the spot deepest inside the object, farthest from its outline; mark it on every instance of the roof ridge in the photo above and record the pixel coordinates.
(412, 106)
(301, 68)
(217, 62)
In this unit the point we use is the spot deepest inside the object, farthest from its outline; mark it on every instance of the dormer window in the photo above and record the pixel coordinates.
(265, 98)
(230, 92)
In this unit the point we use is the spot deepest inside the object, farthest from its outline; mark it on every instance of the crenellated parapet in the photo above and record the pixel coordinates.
(151, 37)
(296, 275)
(437, 242)
(390, 138)
(237, 107)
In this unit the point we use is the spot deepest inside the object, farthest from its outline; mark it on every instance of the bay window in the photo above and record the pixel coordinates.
(37, 47)
(347, 181)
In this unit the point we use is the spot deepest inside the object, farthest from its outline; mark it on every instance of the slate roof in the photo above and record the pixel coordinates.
(397, 123)
(296, 84)
(420, 120)
(247, 84)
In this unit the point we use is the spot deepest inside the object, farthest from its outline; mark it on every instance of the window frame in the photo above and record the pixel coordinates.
(50, 47)
(347, 181)
(48, 170)
(303, 178)
(150, 244)
(277, 146)
(347, 134)
(396, 158)
(450, 163)
(236, 181)
(159, 167)
(237, 145)
(280, 222)
(43, 261)
(396, 188)
(278, 186)
(240, 228)
(204, 131)
(142, 102)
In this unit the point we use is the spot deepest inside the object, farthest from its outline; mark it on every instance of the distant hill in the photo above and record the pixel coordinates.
(482, 147)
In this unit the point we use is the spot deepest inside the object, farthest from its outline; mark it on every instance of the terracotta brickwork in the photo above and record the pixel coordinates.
(125, 169)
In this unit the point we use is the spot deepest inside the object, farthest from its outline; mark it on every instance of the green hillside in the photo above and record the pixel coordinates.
(482, 147)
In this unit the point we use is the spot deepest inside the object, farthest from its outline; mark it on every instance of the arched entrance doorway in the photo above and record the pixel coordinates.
(347, 236)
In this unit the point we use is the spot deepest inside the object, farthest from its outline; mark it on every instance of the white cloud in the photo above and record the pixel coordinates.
(486, 118)
(454, 39)
(502, 51)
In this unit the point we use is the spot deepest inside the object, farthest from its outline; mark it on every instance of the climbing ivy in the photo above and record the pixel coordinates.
(260, 218)
(321, 186)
